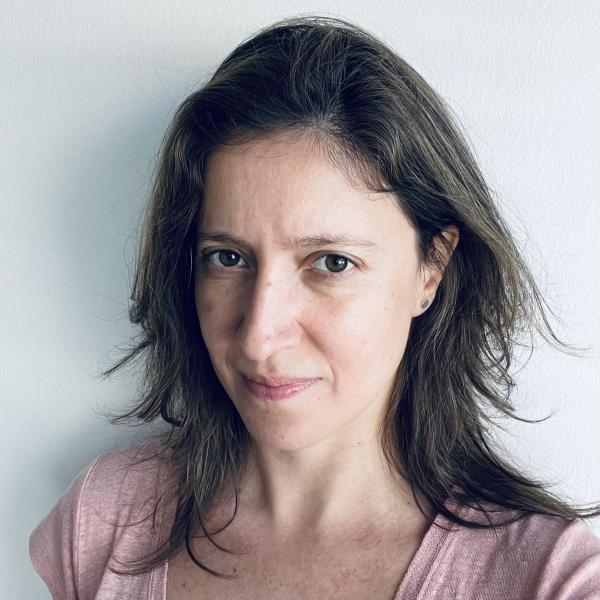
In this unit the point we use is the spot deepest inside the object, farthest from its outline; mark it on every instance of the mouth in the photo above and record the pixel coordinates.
(277, 392)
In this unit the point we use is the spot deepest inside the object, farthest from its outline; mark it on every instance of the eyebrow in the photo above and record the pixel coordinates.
(312, 241)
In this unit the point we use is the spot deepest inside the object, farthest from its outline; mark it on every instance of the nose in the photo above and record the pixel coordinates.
(269, 322)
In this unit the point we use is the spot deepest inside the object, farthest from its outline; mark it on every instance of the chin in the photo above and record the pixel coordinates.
(285, 439)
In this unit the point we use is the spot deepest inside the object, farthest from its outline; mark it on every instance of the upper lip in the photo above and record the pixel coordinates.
(276, 380)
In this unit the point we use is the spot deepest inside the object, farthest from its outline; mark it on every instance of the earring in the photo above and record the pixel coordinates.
(424, 303)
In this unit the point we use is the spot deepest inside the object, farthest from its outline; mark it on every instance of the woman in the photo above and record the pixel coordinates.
(328, 301)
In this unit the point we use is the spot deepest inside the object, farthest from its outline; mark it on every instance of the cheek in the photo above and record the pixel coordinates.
(214, 325)
(204, 311)
(393, 328)
(367, 334)
(210, 318)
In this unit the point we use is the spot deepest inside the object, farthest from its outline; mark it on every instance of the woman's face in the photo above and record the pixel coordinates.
(269, 304)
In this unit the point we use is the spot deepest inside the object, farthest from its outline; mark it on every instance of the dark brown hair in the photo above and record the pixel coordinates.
(377, 118)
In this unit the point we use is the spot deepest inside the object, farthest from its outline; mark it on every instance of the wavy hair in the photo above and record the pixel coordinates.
(376, 117)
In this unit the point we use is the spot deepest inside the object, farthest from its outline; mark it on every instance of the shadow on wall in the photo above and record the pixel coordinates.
(97, 195)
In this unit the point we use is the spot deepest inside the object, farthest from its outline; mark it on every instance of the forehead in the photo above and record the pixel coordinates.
(281, 185)
(282, 161)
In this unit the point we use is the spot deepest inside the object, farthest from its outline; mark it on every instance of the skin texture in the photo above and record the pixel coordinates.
(271, 309)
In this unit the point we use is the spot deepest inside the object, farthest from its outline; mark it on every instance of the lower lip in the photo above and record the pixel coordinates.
(277, 393)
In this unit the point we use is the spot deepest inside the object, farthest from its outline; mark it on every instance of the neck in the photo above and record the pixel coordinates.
(325, 488)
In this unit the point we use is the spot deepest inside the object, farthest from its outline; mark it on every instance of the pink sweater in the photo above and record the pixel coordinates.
(538, 557)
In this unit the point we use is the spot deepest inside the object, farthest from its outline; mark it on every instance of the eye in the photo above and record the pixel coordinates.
(226, 258)
(337, 263)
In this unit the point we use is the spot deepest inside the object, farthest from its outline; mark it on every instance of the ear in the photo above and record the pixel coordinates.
(431, 275)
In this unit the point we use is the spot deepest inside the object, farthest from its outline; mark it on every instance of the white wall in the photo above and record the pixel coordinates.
(86, 92)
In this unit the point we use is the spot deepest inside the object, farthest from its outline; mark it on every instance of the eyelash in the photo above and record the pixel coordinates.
(204, 258)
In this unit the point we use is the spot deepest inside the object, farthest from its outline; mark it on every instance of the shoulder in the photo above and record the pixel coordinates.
(571, 566)
(113, 508)
(541, 556)
(123, 482)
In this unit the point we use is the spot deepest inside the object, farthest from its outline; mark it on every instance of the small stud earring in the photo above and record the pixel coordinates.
(424, 303)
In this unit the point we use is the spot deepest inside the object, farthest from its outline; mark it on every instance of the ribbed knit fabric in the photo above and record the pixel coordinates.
(538, 557)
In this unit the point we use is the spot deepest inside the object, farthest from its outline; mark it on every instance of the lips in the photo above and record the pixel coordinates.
(275, 380)
(277, 388)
